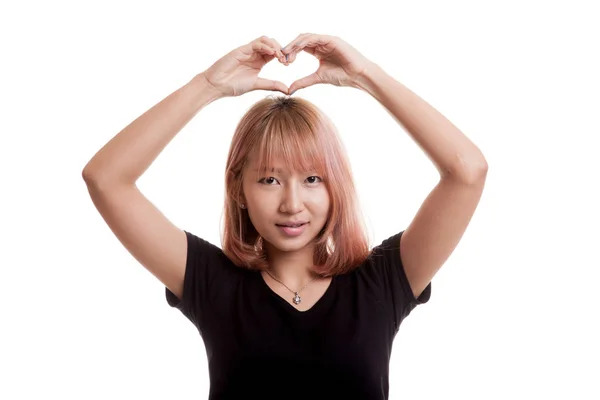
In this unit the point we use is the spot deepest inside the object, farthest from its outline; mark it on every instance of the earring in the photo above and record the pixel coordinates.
(243, 206)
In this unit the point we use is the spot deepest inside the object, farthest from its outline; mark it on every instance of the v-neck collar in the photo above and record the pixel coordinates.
(320, 303)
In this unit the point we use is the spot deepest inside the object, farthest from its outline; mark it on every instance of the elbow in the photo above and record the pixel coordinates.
(88, 176)
(472, 172)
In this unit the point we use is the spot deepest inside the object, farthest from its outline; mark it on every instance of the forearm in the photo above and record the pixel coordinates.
(446, 146)
(129, 154)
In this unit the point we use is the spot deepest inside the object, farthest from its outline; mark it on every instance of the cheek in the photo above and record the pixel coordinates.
(261, 209)
(322, 203)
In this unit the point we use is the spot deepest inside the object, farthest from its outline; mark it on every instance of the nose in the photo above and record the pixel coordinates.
(292, 202)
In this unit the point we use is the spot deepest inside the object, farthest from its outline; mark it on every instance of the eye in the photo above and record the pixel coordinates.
(267, 178)
(317, 177)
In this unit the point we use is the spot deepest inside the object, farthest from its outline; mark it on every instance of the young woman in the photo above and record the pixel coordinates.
(295, 304)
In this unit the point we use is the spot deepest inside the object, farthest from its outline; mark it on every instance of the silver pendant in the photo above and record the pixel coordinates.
(297, 299)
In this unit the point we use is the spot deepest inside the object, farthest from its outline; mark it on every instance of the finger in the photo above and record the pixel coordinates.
(259, 46)
(306, 40)
(254, 46)
(265, 49)
(306, 44)
(275, 46)
(292, 56)
(312, 79)
(288, 49)
(262, 46)
(267, 84)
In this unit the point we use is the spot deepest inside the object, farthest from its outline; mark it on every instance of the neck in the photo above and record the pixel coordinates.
(293, 267)
(292, 279)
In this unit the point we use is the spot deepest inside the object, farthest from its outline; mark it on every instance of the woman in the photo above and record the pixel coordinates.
(294, 305)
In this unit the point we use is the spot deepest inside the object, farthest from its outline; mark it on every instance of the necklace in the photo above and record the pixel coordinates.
(296, 299)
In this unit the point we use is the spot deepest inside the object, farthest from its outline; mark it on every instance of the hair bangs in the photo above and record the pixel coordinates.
(290, 139)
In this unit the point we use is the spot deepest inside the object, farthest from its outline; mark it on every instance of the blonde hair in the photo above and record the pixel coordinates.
(298, 132)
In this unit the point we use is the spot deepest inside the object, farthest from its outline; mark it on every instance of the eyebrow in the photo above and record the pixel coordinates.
(279, 170)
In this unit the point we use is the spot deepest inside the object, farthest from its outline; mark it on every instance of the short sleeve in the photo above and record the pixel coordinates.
(207, 269)
(388, 265)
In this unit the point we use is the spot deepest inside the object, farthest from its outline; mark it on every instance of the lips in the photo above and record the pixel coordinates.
(291, 231)
(292, 225)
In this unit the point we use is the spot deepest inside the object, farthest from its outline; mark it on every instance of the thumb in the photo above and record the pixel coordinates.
(302, 83)
(267, 84)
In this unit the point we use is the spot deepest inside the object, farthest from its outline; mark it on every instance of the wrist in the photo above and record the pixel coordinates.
(368, 79)
(202, 90)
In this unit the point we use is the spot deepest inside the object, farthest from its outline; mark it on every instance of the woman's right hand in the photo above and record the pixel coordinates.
(237, 72)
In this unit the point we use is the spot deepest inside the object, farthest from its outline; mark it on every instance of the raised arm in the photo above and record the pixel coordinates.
(112, 173)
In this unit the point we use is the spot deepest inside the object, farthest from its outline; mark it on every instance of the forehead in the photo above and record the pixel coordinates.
(277, 164)
(278, 168)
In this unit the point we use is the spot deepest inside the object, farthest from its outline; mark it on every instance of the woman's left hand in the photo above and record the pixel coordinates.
(340, 64)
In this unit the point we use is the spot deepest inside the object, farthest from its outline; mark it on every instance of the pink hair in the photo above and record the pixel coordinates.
(298, 132)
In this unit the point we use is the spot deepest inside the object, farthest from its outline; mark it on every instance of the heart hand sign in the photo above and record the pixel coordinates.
(237, 72)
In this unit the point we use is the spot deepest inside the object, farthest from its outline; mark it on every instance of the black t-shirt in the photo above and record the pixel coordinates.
(260, 346)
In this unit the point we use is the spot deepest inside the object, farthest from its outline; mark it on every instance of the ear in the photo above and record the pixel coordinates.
(241, 200)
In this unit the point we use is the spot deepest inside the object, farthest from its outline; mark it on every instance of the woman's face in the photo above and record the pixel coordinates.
(278, 197)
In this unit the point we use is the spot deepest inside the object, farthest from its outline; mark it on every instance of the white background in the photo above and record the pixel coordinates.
(514, 311)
